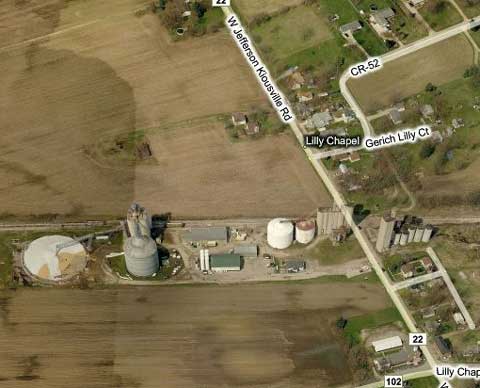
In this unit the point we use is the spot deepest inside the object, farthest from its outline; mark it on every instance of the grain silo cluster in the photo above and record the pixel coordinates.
(281, 232)
(402, 232)
(141, 253)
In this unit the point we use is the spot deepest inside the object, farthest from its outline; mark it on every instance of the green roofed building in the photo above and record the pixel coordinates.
(225, 262)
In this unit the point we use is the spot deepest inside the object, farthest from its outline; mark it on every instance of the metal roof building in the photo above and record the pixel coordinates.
(387, 344)
(246, 250)
(225, 262)
(214, 233)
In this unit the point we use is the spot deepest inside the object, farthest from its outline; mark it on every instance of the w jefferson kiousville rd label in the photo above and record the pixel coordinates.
(244, 43)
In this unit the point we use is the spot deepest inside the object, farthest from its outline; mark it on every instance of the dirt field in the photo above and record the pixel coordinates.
(251, 8)
(200, 173)
(102, 71)
(438, 64)
(274, 335)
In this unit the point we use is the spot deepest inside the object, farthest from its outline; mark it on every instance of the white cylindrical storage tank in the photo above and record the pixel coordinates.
(141, 256)
(427, 234)
(396, 240)
(404, 238)
(280, 233)
(418, 235)
(305, 231)
(411, 234)
(133, 227)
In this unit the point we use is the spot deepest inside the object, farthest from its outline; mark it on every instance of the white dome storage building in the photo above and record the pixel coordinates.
(141, 256)
(280, 233)
(45, 260)
(305, 231)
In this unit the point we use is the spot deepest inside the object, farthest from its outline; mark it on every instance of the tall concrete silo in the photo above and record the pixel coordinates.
(280, 233)
(418, 234)
(404, 237)
(427, 234)
(139, 221)
(141, 256)
(411, 233)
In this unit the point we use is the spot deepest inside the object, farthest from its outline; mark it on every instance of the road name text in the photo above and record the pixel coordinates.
(404, 136)
(319, 141)
(450, 372)
(369, 66)
(244, 43)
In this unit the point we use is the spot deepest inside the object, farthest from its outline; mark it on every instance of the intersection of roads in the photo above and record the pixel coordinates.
(339, 198)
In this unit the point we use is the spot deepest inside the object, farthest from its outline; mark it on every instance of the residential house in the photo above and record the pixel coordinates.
(252, 128)
(427, 111)
(295, 81)
(382, 18)
(350, 28)
(458, 123)
(304, 96)
(416, 3)
(407, 270)
(395, 116)
(239, 118)
(354, 156)
(427, 264)
(321, 119)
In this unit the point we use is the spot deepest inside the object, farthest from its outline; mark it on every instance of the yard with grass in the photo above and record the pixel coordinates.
(440, 14)
(355, 325)
(306, 28)
(327, 254)
(424, 382)
(393, 264)
(406, 28)
(470, 8)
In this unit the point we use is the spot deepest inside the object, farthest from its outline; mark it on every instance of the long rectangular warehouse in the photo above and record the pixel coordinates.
(214, 233)
(387, 344)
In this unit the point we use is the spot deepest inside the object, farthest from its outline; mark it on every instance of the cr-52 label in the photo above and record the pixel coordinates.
(369, 66)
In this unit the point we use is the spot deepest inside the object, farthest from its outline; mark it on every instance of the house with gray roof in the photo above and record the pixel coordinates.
(350, 28)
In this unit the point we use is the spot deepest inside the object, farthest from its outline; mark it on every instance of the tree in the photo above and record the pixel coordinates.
(172, 15)
(430, 87)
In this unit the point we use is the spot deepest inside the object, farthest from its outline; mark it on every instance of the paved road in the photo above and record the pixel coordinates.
(398, 53)
(361, 237)
(417, 280)
(334, 152)
(451, 287)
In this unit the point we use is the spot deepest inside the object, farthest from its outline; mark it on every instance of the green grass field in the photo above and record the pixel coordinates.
(306, 28)
(327, 254)
(406, 28)
(440, 14)
(424, 382)
(355, 325)
(469, 8)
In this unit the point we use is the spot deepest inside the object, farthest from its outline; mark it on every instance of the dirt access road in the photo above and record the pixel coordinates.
(188, 336)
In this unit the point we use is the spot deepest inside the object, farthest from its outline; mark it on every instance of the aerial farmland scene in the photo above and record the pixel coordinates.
(239, 193)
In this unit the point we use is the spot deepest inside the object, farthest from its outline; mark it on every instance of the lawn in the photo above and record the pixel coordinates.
(327, 254)
(424, 382)
(405, 27)
(291, 32)
(367, 38)
(471, 10)
(355, 325)
(330, 57)
(440, 14)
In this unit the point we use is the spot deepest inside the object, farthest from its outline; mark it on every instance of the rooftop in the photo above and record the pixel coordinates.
(214, 233)
(225, 260)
